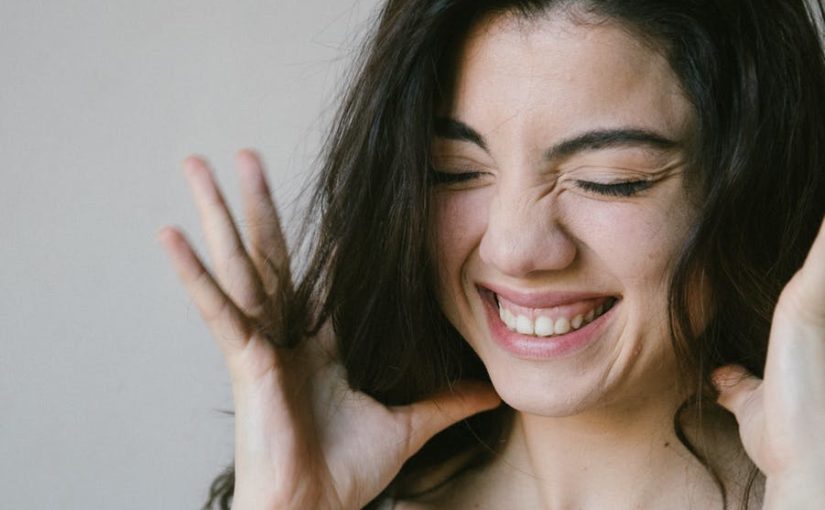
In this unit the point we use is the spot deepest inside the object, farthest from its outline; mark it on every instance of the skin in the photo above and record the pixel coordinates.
(303, 438)
(592, 429)
(525, 223)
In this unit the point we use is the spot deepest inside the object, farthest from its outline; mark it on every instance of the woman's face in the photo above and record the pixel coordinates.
(561, 210)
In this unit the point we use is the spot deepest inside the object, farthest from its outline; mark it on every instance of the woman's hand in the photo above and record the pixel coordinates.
(782, 418)
(303, 438)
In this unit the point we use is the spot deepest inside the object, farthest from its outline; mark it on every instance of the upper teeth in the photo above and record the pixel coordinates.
(547, 326)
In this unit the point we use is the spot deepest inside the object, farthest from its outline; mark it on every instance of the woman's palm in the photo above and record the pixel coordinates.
(303, 438)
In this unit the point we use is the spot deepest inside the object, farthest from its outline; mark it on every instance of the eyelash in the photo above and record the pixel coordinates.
(447, 178)
(618, 189)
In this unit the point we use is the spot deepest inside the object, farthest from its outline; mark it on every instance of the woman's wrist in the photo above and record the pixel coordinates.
(257, 499)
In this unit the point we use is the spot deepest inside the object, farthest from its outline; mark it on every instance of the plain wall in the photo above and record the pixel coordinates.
(110, 385)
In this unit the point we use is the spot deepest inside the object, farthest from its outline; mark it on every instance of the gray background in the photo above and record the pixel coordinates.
(110, 385)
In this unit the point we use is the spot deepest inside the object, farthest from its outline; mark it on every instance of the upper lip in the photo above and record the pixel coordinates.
(540, 299)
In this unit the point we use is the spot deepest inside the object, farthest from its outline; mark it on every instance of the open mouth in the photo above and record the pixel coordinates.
(552, 322)
(548, 327)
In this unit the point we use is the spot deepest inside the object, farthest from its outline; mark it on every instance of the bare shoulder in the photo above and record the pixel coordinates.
(461, 492)
(446, 486)
(485, 487)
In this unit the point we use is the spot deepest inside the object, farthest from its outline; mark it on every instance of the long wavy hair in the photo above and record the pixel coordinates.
(755, 74)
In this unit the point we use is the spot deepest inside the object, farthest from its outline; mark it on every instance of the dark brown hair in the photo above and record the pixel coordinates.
(754, 72)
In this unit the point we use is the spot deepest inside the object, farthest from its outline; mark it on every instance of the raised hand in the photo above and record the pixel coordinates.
(303, 438)
(782, 418)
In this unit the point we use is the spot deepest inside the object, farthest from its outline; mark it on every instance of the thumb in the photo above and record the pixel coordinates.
(737, 388)
(814, 269)
(428, 417)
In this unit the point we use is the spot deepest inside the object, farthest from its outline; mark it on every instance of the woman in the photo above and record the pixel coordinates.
(594, 206)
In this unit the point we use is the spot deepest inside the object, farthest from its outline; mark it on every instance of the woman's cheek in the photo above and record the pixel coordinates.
(636, 239)
(460, 218)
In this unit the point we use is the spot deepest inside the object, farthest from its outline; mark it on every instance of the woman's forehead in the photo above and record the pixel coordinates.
(555, 75)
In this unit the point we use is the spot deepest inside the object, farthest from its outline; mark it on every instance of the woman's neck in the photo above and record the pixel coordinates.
(621, 456)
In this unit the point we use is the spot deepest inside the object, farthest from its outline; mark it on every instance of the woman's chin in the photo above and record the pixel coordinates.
(548, 398)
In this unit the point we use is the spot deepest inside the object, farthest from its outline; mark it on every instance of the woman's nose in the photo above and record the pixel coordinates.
(524, 236)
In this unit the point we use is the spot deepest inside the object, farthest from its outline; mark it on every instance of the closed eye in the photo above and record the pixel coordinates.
(618, 189)
(454, 177)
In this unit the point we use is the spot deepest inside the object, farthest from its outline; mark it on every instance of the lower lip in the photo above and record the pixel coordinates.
(542, 348)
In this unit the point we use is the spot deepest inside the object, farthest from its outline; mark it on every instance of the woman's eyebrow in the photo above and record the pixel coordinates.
(453, 129)
(607, 138)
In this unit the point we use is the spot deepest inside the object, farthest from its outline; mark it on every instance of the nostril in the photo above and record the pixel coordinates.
(537, 245)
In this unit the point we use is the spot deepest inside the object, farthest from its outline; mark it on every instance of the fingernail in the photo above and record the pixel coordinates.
(727, 377)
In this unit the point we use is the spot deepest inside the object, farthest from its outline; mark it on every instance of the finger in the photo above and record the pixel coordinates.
(267, 246)
(428, 417)
(233, 268)
(226, 322)
(737, 388)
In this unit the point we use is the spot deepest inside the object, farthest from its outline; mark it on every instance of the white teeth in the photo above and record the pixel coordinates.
(509, 320)
(524, 325)
(544, 326)
(577, 321)
(562, 326)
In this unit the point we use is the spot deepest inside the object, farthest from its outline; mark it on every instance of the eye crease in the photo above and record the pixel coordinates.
(619, 189)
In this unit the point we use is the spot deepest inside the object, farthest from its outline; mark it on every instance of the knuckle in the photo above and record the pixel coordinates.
(200, 283)
(217, 313)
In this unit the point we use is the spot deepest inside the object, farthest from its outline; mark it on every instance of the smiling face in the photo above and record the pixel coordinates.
(560, 210)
